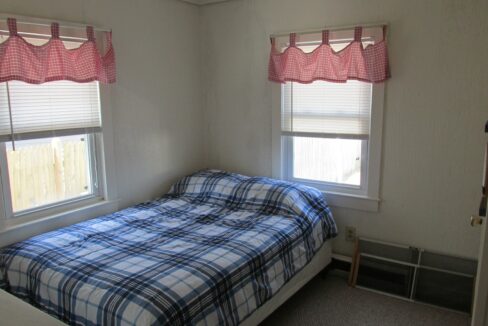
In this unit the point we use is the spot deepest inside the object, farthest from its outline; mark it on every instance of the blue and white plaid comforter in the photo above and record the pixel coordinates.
(211, 251)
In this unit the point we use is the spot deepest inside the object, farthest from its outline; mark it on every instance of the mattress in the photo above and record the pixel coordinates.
(212, 251)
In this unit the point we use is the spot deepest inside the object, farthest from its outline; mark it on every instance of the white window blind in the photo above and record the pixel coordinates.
(58, 108)
(327, 110)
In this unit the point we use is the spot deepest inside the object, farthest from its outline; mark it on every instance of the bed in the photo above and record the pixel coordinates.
(219, 249)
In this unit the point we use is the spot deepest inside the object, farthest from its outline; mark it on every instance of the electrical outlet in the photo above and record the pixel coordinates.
(350, 233)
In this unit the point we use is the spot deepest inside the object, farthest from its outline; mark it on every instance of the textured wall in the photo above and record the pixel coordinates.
(435, 107)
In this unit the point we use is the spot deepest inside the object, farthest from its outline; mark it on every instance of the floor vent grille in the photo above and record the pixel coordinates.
(414, 274)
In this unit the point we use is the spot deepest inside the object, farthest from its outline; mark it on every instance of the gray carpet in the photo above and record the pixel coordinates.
(331, 302)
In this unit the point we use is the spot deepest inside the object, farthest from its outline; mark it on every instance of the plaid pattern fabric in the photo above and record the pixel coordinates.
(210, 252)
(368, 64)
(20, 60)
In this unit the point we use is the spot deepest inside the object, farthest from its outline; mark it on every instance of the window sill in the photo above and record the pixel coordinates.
(361, 203)
(19, 228)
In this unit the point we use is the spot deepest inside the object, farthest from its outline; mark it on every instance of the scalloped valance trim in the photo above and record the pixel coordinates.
(368, 64)
(37, 64)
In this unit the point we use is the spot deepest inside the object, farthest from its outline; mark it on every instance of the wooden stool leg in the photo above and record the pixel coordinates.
(353, 274)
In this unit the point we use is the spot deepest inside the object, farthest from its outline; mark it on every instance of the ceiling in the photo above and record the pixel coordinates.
(203, 2)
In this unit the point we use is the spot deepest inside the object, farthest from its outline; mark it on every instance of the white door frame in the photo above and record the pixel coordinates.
(480, 303)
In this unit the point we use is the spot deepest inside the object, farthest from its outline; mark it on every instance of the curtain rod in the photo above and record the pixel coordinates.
(333, 28)
(47, 22)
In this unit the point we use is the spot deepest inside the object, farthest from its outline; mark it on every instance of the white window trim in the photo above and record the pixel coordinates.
(20, 228)
(330, 187)
(95, 143)
(369, 200)
(43, 220)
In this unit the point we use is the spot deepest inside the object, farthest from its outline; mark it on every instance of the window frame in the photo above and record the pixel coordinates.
(288, 160)
(93, 141)
(367, 198)
(102, 144)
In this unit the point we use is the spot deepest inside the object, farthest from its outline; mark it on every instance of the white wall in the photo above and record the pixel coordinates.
(436, 102)
(156, 101)
(435, 109)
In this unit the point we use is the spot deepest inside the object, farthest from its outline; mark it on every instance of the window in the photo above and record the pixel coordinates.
(325, 129)
(50, 143)
(330, 133)
(50, 134)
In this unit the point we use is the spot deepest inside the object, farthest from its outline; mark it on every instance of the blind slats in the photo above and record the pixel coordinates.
(327, 110)
(58, 108)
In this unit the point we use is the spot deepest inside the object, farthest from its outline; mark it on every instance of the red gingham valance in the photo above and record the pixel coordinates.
(20, 60)
(368, 64)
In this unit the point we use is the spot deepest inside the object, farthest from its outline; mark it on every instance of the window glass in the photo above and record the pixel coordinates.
(327, 160)
(49, 170)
